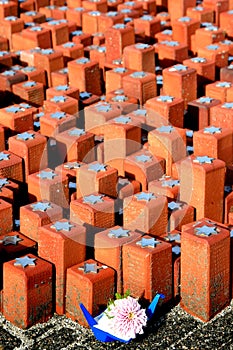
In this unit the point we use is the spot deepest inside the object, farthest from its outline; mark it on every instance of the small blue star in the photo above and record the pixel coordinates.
(120, 70)
(184, 19)
(25, 261)
(203, 160)
(171, 43)
(140, 112)
(176, 250)
(82, 60)
(198, 59)
(28, 69)
(122, 120)
(120, 98)
(178, 68)
(170, 183)
(11, 18)
(77, 132)
(68, 45)
(72, 165)
(206, 230)
(9, 73)
(24, 106)
(48, 175)
(138, 74)
(212, 130)
(11, 240)
(174, 206)
(90, 268)
(97, 167)
(4, 156)
(205, 99)
(62, 226)
(93, 199)
(165, 129)
(84, 95)
(58, 115)
(3, 53)
(212, 47)
(142, 46)
(119, 233)
(143, 158)
(165, 98)
(145, 196)
(4, 182)
(211, 28)
(47, 51)
(25, 136)
(148, 242)
(41, 206)
(36, 29)
(58, 99)
(29, 84)
(228, 105)
(62, 87)
(103, 108)
(224, 84)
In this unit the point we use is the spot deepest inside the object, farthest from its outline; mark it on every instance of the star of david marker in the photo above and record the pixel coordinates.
(11, 240)
(4, 156)
(91, 268)
(224, 84)
(203, 160)
(62, 88)
(47, 51)
(103, 108)
(228, 105)
(97, 167)
(9, 73)
(145, 196)
(212, 130)
(143, 158)
(25, 136)
(13, 109)
(148, 242)
(170, 183)
(58, 115)
(166, 129)
(173, 238)
(178, 67)
(72, 165)
(118, 233)
(4, 182)
(122, 120)
(40, 206)
(206, 230)
(205, 100)
(58, 99)
(62, 226)
(212, 47)
(77, 132)
(120, 98)
(174, 205)
(29, 84)
(176, 250)
(69, 45)
(24, 106)
(165, 98)
(47, 175)
(25, 261)
(93, 199)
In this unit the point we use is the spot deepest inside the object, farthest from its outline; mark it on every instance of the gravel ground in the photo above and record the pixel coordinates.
(174, 329)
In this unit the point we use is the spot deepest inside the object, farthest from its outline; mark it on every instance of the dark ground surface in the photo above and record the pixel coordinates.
(174, 329)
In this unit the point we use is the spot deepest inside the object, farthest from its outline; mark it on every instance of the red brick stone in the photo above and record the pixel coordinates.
(85, 75)
(96, 116)
(144, 167)
(114, 78)
(6, 217)
(117, 38)
(165, 110)
(10, 25)
(147, 215)
(179, 8)
(180, 81)
(79, 37)
(6, 58)
(76, 144)
(165, 35)
(169, 143)
(205, 70)
(109, 19)
(30, 91)
(142, 85)
(179, 214)
(96, 210)
(199, 112)
(226, 21)
(108, 249)
(165, 186)
(48, 185)
(216, 52)
(218, 6)
(127, 188)
(66, 248)
(8, 8)
(75, 15)
(228, 208)
(202, 186)
(222, 115)
(11, 166)
(4, 44)
(209, 35)
(201, 13)
(52, 124)
(183, 28)
(150, 24)
(218, 90)
(124, 102)
(70, 51)
(59, 31)
(10, 193)
(60, 77)
(35, 215)
(139, 57)
(171, 52)
(33, 16)
(98, 54)
(62, 90)
(91, 289)
(32, 147)
(202, 294)
(10, 77)
(96, 177)
(35, 36)
(63, 104)
(142, 263)
(214, 142)
(27, 292)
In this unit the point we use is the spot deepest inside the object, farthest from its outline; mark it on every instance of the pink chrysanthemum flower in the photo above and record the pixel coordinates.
(128, 318)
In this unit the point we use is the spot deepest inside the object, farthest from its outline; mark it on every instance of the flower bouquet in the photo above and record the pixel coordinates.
(123, 319)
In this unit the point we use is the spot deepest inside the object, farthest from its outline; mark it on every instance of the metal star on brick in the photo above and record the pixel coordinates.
(9, 73)
(111, 13)
(145, 196)
(58, 115)
(205, 99)
(226, 42)
(11, 18)
(184, 19)
(141, 112)
(77, 132)
(224, 84)
(120, 98)
(142, 46)
(28, 69)
(138, 75)
(3, 53)
(58, 99)
(147, 18)
(198, 59)
(165, 129)
(25, 136)
(68, 45)
(94, 13)
(24, 106)
(231, 233)
(93, 199)
(212, 130)
(10, 240)
(173, 237)
(63, 70)
(62, 226)
(118, 233)
(72, 165)
(165, 98)
(198, 8)
(103, 108)
(41, 206)
(47, 51)
(119, 26)
(47, 175)
(82, 60)
(4, 182)
(36, 29)
(203, 160)
(62, 87)
(84, 95)
(143, 158)
(4, 156)
(170, 183)
(211, 28)
(120, 70)
(122, 120)
(212, 47)
(228, 105)
(171, 43)
(25, 261)
(178, 68)
(206, 230)
(91, 268)
(97, 167)
(77, 33)
(29, 84)
(176, 250)
(148, 242)
(174, 205)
